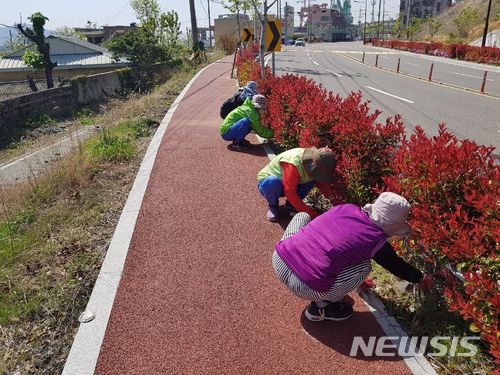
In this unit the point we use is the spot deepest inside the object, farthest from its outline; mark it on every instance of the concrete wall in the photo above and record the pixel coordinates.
(59, 101)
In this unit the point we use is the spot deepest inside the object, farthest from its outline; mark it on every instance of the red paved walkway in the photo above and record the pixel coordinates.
(198, 293)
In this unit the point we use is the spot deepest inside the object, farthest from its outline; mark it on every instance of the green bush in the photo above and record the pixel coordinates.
(112, 147)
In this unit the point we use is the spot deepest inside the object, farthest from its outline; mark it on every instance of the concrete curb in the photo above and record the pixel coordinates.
(84, 352)
(417, 364)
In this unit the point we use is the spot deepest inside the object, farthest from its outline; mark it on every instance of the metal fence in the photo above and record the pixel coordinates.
(12, 89)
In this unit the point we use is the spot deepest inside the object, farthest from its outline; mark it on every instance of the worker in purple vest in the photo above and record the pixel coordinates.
(322, 260)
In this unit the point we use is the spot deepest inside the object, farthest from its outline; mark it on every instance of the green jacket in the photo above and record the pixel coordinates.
(246, 110)
(294, 157)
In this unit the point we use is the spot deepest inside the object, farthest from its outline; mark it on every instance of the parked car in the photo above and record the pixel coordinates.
(300, 42)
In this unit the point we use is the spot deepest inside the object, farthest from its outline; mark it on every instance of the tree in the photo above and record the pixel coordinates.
(414, 27)
(396, 29)
(170, 30)
(41, 58)
(17, 42)
(465, 19)
(433, 25)
(69, 31)
(146, 10)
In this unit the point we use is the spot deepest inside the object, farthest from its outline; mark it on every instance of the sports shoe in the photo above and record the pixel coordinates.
(334, 311)
(245, 142)
(290, 207)
(238, 146)
(272, 214)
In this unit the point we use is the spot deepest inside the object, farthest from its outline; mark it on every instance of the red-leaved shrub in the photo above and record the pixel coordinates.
(454, 188)
(453, 185)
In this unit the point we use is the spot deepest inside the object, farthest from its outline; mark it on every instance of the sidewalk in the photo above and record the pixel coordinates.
(198, 294)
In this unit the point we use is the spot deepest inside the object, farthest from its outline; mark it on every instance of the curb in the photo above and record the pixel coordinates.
(417, 364)
(84, 353)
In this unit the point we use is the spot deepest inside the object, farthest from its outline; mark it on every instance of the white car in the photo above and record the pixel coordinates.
(300, 42)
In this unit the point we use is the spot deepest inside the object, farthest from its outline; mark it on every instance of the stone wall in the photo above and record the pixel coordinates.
(62, 100)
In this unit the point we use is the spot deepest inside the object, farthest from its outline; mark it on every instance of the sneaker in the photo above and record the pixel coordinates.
(272, 214)
(334, 311)
(238, 146)
(290, 207)
(245, 142)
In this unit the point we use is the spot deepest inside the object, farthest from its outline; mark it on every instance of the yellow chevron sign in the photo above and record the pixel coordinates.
(248, 34)
(273, 36)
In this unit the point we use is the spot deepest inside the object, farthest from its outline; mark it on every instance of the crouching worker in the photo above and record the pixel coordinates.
(238, 99)
(324, 259)
(243, 120)
(292, 174)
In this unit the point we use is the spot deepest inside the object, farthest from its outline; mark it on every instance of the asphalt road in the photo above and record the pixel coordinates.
(338, 67)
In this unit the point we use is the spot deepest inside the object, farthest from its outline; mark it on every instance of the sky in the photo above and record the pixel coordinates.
(118, 12)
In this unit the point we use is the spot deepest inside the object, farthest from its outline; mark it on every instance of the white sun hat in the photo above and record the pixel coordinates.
(390, 212)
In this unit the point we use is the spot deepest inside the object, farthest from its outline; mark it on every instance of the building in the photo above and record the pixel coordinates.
(72, 55)
(99, 35)
(422, 8)
(288, 20)
(227, 25)
(325, 23)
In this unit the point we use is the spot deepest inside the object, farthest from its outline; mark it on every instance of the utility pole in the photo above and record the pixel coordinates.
(373, 10)
(364, 26)
(408, 19)
(485, 33)
(378, 20)
(194, 27)
(383, 19)
(209, 27)
(359, 23)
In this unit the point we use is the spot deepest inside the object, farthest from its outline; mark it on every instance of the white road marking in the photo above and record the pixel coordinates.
(468, 75)
(338, 75)
(404, 62)
(315, 63)
(267, 59)
(391, 95)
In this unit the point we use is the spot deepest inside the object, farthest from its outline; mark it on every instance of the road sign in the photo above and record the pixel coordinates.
(273, 36)
(247, 34)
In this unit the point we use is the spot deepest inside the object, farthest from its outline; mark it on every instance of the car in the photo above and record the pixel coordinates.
(300, 42)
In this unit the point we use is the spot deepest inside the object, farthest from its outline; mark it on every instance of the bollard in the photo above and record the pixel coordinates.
(430, 72)
(484, 81)
(376, 61)
(399, 61)
(363, 60)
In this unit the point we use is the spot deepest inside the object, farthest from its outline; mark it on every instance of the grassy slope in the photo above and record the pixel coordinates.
(448, 28)
(54, 232)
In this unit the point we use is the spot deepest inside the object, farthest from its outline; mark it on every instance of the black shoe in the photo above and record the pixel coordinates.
(334, 311)
(245, 142)
(290, 207)
(238, 146)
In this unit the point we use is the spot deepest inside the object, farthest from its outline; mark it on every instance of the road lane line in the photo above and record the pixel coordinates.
(338, 75)
(386, 93)
(468, 75)
(315, 63)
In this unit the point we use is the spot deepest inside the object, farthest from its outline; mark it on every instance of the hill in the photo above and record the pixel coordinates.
(447, 32)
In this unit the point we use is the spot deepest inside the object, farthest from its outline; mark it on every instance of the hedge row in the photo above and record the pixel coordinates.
(453, 184)
(487, 55)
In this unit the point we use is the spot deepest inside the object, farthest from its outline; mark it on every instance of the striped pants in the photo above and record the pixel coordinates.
(346, 281)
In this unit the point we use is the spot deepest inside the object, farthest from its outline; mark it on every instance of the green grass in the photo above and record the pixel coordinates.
(52, 244)
(426, 314)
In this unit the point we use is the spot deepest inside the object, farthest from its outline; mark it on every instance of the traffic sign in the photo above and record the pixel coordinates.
(273, 36)
(247, 34)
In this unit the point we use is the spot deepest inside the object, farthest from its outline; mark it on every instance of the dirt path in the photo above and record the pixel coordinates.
(198, 293)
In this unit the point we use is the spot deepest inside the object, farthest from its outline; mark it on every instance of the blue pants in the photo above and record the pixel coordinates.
(238, 131)
(272, 189)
